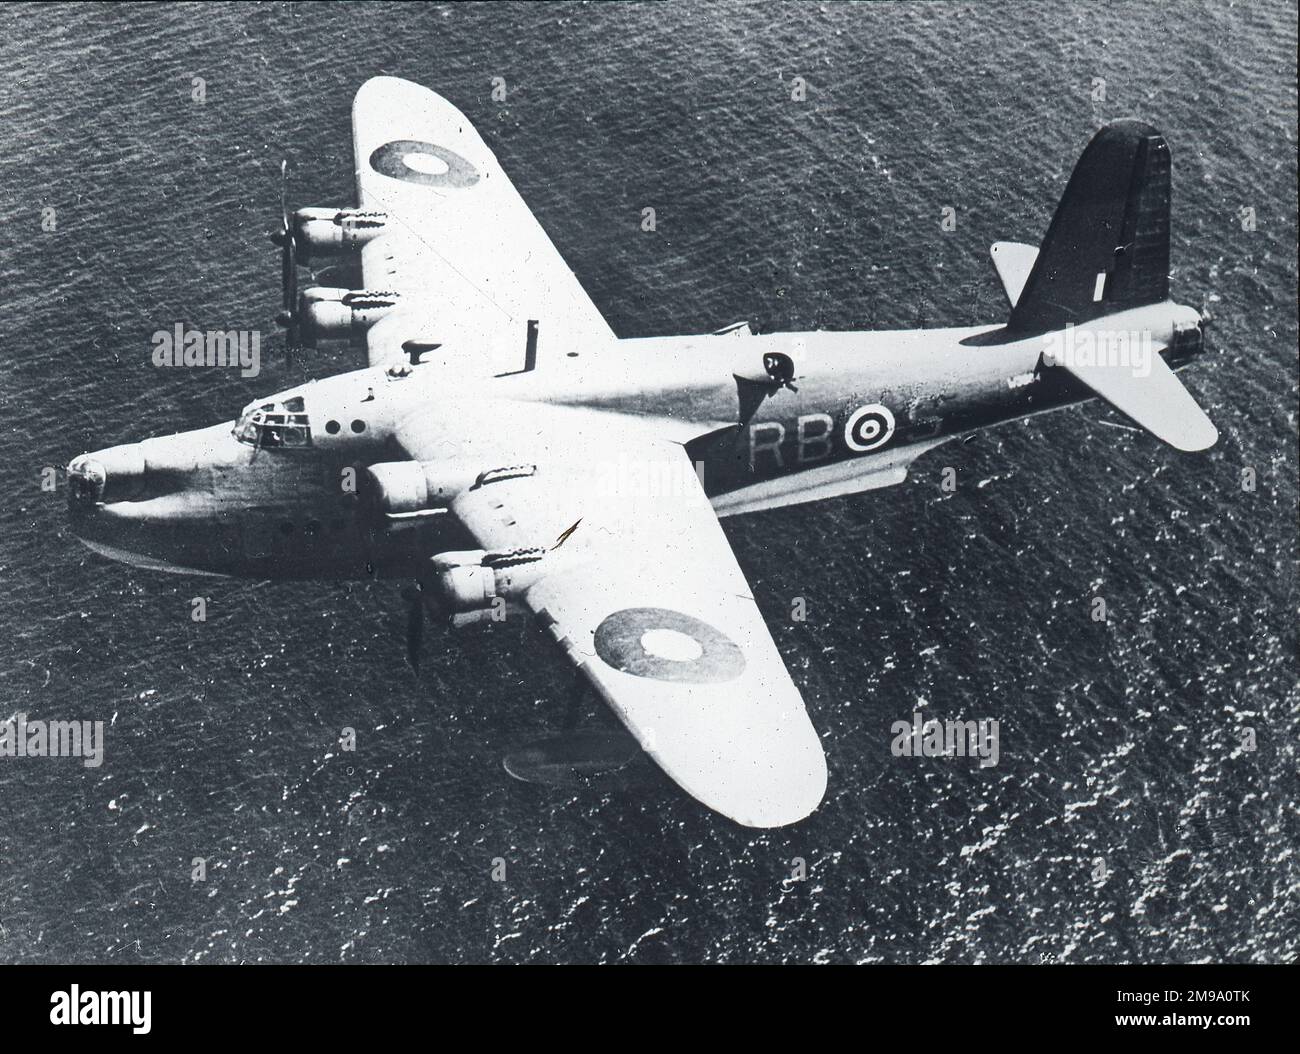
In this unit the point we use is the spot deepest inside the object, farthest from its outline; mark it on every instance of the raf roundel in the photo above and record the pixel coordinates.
(423, 164)
(666, 645)
(868, 428)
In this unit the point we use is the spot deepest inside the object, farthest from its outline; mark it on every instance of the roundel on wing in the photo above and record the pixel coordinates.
(868, 427)
(667, 645)
(424, 164)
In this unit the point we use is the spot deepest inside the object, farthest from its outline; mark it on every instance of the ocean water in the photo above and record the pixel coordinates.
(1124, 821)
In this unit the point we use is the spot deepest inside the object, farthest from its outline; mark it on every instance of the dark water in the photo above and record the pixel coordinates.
(1119, 741)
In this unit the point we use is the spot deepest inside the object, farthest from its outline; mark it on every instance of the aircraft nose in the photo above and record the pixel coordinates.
(115, 474)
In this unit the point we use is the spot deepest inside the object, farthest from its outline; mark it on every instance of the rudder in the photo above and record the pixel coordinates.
(1107, 248)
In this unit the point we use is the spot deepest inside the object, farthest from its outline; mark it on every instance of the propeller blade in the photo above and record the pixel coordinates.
(285, 238)
(414, 625)
(284, 194)
(573, 708)
(289, 275)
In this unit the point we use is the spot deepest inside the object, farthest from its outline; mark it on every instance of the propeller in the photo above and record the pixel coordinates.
(284, 237)
(1207, 319)
(413, 595)
(574, 707)
(421, 604)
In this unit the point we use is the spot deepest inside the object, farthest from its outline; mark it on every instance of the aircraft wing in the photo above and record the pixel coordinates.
(641, 591)
(468, 259)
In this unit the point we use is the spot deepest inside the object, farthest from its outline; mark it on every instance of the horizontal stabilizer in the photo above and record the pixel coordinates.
(1014, 261)
(1157, 400)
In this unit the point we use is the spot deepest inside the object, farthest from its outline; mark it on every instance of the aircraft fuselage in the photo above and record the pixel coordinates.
(767, 421)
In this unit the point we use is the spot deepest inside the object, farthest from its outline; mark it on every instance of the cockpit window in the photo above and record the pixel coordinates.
(275, 425)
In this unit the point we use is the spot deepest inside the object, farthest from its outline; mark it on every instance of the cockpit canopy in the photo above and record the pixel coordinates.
(275, 424)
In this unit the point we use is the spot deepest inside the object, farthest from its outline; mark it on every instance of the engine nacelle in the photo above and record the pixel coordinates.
(468, 588)
(402, 492)
(486, 585)
(326, 313)
(335, 232)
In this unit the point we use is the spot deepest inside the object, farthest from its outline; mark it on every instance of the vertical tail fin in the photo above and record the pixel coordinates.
(1108, 246)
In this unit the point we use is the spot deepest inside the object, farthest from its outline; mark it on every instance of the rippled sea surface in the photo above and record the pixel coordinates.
(1121, 743)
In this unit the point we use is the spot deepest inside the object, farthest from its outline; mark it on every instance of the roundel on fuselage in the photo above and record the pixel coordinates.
(868, 428)
(423, 164)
